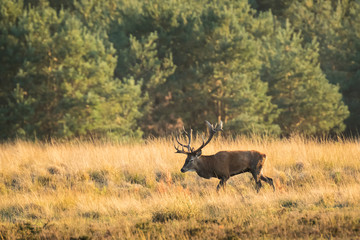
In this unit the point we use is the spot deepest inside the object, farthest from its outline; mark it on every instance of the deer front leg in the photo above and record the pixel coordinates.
(222, 183)
(219, 185)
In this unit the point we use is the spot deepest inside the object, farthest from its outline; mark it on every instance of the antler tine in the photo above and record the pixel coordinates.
(178, 150)
(219, 127)
(182, 145)
(215, 128)
(184, 130)
(212, 131)
(202, 136)
(209, 125)
(188, 146)
(189, 135)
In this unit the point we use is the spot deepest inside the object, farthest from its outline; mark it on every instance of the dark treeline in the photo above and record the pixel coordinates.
(132, 68)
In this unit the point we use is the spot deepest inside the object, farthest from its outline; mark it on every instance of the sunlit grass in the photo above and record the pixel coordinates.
(108, 190)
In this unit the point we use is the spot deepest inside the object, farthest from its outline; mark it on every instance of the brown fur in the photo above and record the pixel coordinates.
(225, 164)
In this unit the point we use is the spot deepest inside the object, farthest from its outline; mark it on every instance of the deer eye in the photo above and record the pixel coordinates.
(190, 159)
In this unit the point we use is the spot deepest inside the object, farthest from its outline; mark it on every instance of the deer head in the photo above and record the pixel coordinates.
(192, 154)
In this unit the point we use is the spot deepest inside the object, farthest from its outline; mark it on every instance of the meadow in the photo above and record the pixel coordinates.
(104, 190)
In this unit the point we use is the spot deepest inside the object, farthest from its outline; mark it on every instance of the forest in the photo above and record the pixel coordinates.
(128, 69)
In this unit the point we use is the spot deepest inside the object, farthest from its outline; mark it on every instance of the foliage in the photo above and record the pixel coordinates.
(124, 68)
(309, 104)
(64, 84)
(335, 25)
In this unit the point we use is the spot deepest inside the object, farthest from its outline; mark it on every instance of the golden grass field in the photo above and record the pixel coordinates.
(82, 190)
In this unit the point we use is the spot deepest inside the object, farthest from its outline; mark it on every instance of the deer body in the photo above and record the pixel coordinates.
(224, 164)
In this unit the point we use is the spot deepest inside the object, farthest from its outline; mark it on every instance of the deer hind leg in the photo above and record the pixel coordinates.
(258, 186)
(256, 176)
(268, 180)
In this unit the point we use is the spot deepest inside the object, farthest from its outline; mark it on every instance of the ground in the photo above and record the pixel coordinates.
(100, 190)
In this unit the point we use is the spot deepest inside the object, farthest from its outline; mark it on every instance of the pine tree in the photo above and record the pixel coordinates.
(217, 66)
(350, 85)
(64, 86)
(336, 25)
(233, 82)
(141, 62)
(278, 7)
(142, 55)
(10, 54)
(309, 104)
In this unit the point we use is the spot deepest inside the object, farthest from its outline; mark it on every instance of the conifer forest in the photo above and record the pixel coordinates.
(129, 69)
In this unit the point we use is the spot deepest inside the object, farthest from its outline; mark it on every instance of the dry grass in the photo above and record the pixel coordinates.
(136, 191)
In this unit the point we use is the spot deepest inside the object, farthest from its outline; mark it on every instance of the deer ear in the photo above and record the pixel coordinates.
(198, 154)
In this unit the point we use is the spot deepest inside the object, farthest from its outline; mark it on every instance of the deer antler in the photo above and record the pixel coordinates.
(212, 131)
(188, 135)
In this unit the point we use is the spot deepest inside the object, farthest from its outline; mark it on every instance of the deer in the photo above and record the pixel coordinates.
(223, 164)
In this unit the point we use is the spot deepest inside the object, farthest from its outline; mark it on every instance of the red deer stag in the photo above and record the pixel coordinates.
(224, 164)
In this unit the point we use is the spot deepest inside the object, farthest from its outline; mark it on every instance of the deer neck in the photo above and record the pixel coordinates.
(204, 167)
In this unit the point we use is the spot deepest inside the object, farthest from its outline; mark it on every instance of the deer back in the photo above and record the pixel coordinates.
(229, 163)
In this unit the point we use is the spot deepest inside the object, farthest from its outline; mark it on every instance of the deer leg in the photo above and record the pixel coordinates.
(257, 180)
(258, 186)
(222, 183)
(268, 180)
